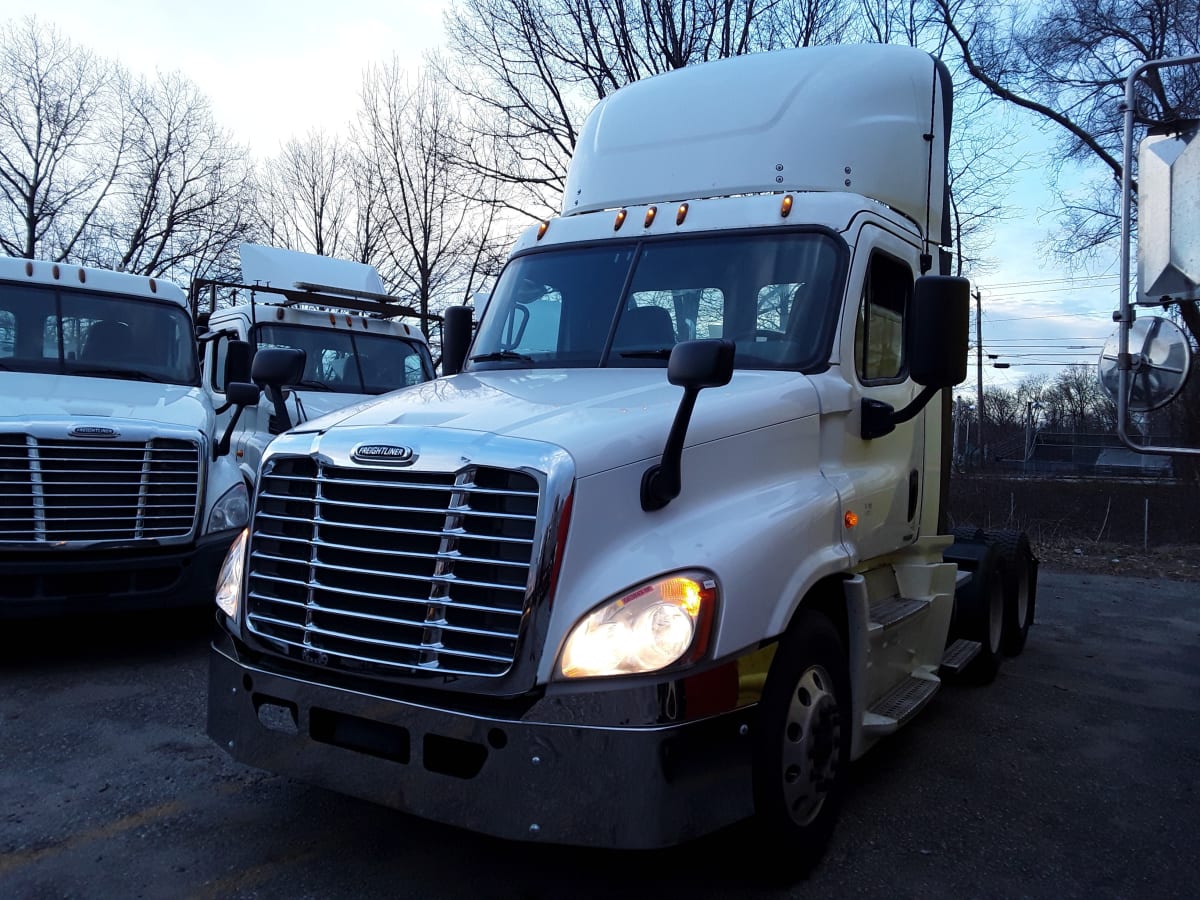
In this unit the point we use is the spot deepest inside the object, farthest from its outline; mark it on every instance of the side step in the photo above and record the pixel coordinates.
(899, 705)
(958, 656)
(893, 612)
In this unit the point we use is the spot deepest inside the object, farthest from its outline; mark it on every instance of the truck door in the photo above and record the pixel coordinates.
(887, 472)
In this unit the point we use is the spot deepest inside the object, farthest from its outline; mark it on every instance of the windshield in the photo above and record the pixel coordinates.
(350, 362)
(70, 332)
(627, 304)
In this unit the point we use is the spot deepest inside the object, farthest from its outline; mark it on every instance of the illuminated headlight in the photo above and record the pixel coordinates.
(229, 581)
(655, 625)
(232, 510)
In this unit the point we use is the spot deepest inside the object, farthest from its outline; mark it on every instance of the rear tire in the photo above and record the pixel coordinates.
(802, 751)
(979, 606)
(1020, 587)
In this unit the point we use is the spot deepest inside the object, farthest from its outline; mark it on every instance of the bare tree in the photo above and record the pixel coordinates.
(182, 199)
(532, 69)
(308, 197)
(64, 136)
(436, 241)
(1066, 61)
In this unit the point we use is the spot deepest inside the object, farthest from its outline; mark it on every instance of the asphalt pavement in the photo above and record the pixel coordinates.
(1073, 775)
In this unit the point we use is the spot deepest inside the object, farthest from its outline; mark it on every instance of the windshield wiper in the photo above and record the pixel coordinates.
(502, 356)
(660, 353)
(313, 385)
(105, 372)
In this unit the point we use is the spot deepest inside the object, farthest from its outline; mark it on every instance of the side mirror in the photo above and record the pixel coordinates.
(237, 363)
(278, 366)
(935, 344)
(694, 365)
(273, 367)
(456, 338)
(938, 328)
(241, 393)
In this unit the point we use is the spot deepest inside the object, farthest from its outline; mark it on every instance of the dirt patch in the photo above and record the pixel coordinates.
(1180, 563)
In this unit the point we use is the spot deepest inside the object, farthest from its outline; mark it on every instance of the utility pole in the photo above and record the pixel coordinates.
(979, 373)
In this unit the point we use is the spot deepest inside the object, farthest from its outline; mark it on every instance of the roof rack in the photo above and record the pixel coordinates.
(303, 293)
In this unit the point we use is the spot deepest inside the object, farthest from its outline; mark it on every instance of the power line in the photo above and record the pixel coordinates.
(1081, 278)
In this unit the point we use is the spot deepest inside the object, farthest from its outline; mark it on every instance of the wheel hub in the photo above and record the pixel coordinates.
(811, 738)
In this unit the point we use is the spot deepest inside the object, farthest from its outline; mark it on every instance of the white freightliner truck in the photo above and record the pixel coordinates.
(668, 551)
(354, 342)
(112, 494)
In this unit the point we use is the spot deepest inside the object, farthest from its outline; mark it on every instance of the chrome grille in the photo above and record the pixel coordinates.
(86, 490)
(386, 570)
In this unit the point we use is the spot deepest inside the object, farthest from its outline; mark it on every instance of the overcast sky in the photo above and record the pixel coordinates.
(275, 69)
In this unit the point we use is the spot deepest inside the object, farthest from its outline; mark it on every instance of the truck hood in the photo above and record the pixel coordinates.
(39, 396)
(603, 417)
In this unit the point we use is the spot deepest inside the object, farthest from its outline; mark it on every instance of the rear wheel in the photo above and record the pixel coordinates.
(803, 748)
(979, 606)
(1020, 587)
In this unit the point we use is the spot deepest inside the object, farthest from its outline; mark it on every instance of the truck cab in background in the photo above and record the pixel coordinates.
(669, 550)
(112, 496)
(355, 345)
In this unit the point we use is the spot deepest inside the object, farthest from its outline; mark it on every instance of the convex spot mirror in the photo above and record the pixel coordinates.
(1160, 359)
(938, 325)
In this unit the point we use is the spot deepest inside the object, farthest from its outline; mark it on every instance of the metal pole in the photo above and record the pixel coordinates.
(979, 373)
(1126, 314)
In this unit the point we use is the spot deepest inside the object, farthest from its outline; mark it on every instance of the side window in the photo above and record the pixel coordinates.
(533, 325)
(8, 333)
(774, 304)
(879, 334)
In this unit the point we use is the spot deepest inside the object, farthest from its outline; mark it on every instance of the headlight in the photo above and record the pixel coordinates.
(232, 510)
(229, 581)
(655, 625)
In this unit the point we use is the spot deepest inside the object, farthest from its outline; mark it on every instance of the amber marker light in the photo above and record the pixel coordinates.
(851, 519)
(620, 220)
(650, 214)
(542, 230)
(682, 214)
(785, 207)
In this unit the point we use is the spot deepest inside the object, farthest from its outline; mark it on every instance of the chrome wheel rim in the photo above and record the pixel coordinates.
(811, 738)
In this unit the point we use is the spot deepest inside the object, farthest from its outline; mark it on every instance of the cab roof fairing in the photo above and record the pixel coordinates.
(872, 120)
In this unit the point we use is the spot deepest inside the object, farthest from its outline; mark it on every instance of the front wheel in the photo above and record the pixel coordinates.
(802, 752)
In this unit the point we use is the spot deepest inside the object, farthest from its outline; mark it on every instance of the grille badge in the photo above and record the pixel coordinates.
(386, 453)
(94, 431)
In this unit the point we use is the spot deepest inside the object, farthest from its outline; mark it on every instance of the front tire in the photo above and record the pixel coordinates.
(802, 753)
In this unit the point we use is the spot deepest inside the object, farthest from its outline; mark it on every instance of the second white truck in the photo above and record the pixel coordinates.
(355, 341)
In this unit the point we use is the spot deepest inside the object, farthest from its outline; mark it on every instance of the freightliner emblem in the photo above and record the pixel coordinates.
(385, 453)
(94, 431)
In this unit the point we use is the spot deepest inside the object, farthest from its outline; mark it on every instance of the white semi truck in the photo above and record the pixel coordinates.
(112, 493)
(353, 337)
(669, 551)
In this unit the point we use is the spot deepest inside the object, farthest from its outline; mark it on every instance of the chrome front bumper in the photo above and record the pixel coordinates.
(519, 779)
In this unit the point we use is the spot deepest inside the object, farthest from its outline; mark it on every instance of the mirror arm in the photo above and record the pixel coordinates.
(662, 483)
(879, 418)
(222, 446)
(275, 393)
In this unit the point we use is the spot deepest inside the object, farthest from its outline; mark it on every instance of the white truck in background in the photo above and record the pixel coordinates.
(670, 550)
(112, 494)
(354, 341)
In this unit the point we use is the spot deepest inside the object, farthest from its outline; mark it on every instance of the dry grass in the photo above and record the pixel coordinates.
(1179, 563)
